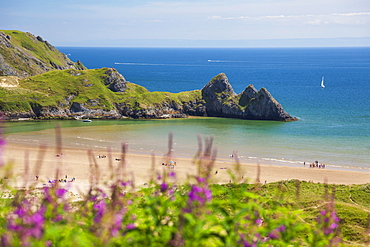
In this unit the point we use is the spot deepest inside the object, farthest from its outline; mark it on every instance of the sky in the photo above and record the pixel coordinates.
(202, 23)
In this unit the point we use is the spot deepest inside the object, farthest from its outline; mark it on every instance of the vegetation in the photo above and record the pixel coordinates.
(32, 55)
(164, 213)
(55, 88)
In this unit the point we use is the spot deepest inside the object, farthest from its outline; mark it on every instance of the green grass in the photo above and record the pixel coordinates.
(34, 47)
(87, 86)
(27, 47)
(352, 203)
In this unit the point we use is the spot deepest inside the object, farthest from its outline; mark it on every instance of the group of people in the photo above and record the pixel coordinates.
(62, 180)
(315, 165)
(171, 165)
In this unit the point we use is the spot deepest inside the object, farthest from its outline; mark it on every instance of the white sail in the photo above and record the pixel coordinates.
(322, 82)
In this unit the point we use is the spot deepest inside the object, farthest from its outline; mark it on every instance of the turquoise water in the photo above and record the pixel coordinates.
(334, 121)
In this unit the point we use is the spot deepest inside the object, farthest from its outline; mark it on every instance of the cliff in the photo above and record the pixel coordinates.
(221, 101)
(23, 54)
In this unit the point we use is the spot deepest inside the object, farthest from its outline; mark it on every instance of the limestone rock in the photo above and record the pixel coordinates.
(215, 93)
(249, 93)
(265, 107)
(221, 101)
(115, 81)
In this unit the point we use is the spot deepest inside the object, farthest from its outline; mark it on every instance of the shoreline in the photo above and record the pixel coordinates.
(141, 168)
(249, 138)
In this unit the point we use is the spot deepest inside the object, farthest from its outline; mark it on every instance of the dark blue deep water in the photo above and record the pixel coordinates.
(334, 124)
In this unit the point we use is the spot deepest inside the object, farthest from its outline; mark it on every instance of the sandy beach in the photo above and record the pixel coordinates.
(77, 163)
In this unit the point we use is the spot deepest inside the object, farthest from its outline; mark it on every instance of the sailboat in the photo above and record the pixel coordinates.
(322, 83)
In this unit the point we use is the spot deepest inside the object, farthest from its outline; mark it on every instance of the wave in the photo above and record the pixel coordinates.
(171, 64)
(148, 64)
(224, 61)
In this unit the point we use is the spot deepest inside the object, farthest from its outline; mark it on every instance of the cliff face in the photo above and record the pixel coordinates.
(221, 101)
(164, 109)
(215, 93)
(23, 54)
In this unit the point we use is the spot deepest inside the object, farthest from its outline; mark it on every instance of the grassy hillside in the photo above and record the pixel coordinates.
(352, 203)
(27, 55)
(62, 87)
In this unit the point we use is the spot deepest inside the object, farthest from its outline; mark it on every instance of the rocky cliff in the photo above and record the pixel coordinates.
(221, 101)
(23, 54)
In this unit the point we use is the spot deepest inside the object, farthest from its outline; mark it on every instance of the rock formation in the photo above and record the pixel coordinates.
(222, 101)
(115, 81)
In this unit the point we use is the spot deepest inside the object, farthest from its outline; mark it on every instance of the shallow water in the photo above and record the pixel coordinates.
(276, 142)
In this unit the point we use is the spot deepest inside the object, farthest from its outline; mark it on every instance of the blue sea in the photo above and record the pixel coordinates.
(333, 126)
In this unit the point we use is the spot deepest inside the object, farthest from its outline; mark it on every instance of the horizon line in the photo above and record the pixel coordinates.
(240, 43)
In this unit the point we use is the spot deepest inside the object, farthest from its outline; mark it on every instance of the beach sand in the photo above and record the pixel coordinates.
(77, 163)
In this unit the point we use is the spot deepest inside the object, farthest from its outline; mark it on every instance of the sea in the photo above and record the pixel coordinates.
(333, 126)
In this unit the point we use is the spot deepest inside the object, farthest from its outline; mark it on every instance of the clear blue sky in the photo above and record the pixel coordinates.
(192, 22)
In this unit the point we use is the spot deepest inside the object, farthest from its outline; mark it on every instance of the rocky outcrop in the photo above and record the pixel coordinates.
(221, 101)
(23, 55)
(215, 93)
(115, 81)
(164, 110)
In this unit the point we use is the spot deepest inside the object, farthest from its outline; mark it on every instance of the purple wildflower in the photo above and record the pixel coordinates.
(276, 233)
(25, 223)
(328, 221)
(5, 240)
(199, 194)
(282, 228)
(58, 218)
(47, 194)
(259, 222)
(126, 183)
(2, 147)
(100, 209)
(130, 226)
(164, 187)
(2, 144)
(201, 180)
(117, 223)
(61, 192)
(243, 242)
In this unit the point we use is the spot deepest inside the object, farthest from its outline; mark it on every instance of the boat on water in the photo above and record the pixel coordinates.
(87, 120)
(322, 82)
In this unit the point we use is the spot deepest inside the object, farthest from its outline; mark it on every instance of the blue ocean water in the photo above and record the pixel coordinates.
(334, 121)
